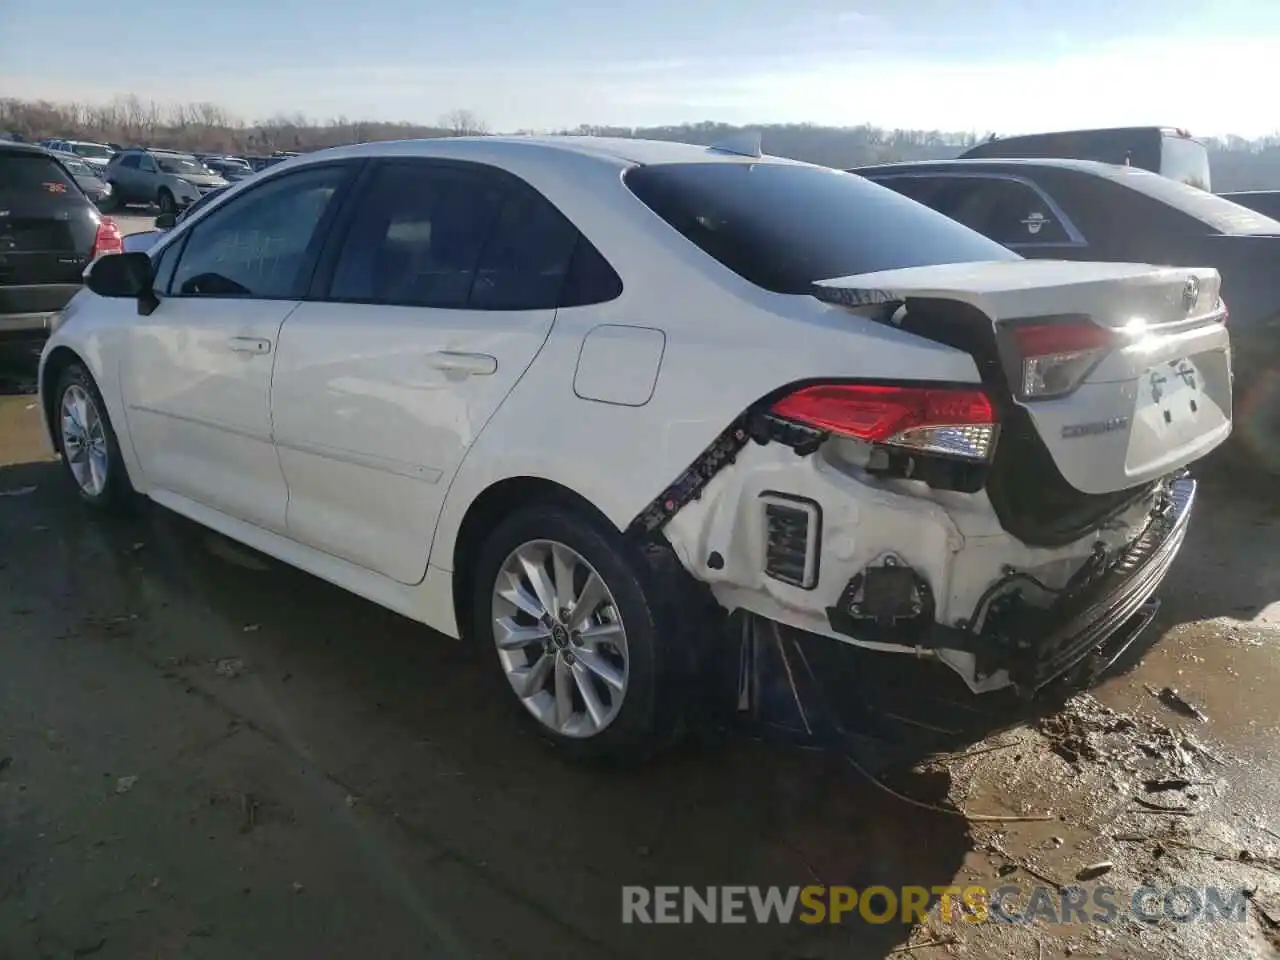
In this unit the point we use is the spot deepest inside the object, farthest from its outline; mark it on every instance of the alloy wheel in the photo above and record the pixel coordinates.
(560, 638)
(84, 441)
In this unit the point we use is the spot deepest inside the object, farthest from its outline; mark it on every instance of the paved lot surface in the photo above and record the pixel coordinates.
(206, 754)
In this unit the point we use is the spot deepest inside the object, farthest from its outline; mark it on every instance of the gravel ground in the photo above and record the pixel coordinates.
(206, 754)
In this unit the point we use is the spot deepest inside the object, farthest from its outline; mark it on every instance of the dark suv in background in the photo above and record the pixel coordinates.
(49, 232)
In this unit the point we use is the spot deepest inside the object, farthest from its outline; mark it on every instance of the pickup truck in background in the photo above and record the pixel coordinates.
(1084, 210)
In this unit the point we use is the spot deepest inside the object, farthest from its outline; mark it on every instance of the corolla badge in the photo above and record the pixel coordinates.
(1190, 293)
(1073, 430)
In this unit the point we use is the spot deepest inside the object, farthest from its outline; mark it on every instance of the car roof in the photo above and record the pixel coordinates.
(618, 150)
(1094, 167)
(12, 146)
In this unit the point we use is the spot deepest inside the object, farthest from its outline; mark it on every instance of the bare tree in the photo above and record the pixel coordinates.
(464, 123)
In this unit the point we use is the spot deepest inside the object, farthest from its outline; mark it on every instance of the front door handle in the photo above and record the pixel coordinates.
(249, 345)
(464, 364)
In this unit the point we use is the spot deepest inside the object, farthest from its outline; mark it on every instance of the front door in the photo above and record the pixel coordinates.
(197, 378)
(441, 293)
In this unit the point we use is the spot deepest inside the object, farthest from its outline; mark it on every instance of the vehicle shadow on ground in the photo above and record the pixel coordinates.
(420, 728)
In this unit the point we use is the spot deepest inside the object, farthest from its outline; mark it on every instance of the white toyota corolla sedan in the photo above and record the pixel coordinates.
(574, 399)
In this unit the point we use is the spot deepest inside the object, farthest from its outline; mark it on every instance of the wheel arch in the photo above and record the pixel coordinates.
(59, 359)
(493, 505)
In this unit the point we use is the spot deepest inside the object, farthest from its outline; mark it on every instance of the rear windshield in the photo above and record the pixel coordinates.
(95, 150)
(783, 226)
(1218, 214)
(32, 173)
(182, 165)
(77, 167)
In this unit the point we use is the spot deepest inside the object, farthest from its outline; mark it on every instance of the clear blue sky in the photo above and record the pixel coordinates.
(1007, 65)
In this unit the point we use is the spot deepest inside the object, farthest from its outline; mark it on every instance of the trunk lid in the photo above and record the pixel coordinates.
(1151, 395)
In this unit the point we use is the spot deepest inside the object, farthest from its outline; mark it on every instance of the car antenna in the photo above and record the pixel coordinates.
(744, 143)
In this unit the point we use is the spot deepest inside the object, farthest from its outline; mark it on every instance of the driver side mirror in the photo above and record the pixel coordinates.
(166, 221)
(122, 275)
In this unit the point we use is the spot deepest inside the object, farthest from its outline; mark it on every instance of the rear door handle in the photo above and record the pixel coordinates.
(249, 345)
(464, 364)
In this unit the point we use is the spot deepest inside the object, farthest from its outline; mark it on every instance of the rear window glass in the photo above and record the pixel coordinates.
(182, 165)
(1184, 160)
(1218, 214)
(95, 150)
(77, 167)
(783, 227)
(31, 172)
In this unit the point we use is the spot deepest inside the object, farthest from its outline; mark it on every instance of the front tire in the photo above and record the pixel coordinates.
(583, 630)
(166, 202)
(88, 443)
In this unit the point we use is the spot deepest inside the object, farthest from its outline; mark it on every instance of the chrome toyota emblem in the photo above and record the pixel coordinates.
(1190, 294)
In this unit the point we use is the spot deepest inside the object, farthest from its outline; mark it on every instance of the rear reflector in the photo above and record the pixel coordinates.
(958, 422)
(1055, 357)
(108, 239)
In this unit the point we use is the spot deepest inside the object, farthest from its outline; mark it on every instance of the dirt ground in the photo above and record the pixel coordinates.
(206, 754)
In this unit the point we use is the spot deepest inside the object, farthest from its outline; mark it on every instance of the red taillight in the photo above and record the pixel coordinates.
(956, 422)
(109, 239)
(1054, 357)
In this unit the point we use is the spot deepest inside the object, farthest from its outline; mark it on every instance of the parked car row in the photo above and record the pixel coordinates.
(793, 393)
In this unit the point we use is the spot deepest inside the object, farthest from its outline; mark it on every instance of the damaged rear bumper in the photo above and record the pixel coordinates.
(1093, 618)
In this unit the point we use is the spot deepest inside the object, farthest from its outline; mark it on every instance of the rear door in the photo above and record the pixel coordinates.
(123, 176)
(427, 312)
(47, 231)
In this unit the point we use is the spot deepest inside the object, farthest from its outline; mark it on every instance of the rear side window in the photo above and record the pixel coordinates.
(526, 256)
(1007, 211)
(26, 174)
(784, 227)
(428, 235)
(130, 161)
(417, 238)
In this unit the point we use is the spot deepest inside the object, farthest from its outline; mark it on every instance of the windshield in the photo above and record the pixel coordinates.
(1215, 212)
(183, 165)
(784, 226)
(77, 168)
(1184, 160)
(95, 150)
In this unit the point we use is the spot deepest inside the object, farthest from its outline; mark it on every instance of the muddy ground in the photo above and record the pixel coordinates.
(206, 754)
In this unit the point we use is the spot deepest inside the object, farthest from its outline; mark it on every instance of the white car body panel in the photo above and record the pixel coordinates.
(374, 409)
(1162, 428)
(196, 382)
(348, 448)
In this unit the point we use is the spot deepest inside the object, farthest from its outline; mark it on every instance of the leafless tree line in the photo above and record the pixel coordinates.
(1237, 163)
(205, 126)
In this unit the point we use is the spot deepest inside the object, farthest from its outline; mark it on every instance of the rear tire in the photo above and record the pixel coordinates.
(88, 443)
(604, 673)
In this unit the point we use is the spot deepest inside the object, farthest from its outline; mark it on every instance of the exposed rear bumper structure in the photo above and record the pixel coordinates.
(1111, 605)
(1084, 631)
(1036, 642)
